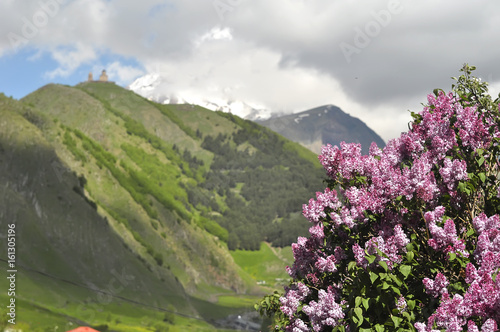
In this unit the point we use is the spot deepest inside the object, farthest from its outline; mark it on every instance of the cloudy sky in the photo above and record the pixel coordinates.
(375, 59)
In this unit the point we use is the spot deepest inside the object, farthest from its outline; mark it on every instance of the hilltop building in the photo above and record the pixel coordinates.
(102, 78)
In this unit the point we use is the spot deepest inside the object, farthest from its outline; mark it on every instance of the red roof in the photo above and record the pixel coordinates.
(83, 329)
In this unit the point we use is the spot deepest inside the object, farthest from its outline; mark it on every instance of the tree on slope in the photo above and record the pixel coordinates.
(406, 238)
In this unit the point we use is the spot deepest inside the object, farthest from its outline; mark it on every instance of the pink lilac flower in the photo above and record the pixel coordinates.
(437, 286)
(416, 166)
(400, 237)
(471, 127)
(411, 145)
(317, 232)
(435, 125)
(482, 222)
(446, 238)
(293, 295)
(325, 312)
(451, 314)
(470, 273)
(401, 304)
(472, 327)
(297, 325)
(489, 326)
(315, 210)
(326, 264)
(422, 180)
(339, 254)
(351, 153)
(452, 172)
(305, 254)
(345, 217)
(421, 327)
(482, 299)
(436, 215)
(359, 255)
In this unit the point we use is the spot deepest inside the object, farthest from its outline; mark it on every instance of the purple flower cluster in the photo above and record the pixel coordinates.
(444, 238)
(326, 311)
(396, 192)
(482, 298)
(291, 301)
(391, 245)
(315, 210)
(401, 305)
(437, 286)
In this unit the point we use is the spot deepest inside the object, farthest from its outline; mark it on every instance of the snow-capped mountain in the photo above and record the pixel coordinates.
(154, 87)
(313, 128)
(322, 125)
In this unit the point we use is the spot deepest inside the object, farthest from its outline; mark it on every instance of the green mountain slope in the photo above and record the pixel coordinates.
(235, 174)
(136, 178)
(65, 249)
(111, 182)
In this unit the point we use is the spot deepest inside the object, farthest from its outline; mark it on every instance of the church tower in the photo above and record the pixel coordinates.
(104, 76)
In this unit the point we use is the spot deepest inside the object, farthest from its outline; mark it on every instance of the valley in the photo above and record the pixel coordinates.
(136, 216)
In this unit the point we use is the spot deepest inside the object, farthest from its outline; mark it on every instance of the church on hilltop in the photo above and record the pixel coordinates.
(102, 78)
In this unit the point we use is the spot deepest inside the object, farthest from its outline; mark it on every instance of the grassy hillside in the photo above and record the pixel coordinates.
(104, 182)
(68, 255)
(138, 181)
(230, 172)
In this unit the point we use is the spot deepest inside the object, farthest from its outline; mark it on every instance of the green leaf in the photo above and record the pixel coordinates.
(373, 277)
(452, 256)
(370, 258)
(397, 320)
(359, 314)
(351, 266)
(384, 265)
(411, 304)
(357, 302)
(462, 187)
(396, 290)
(408, 316)
(482, 176)
(366, 303)
(410, 255)
(396, 280)
(409, 246)
(379, 328)
(405, 270)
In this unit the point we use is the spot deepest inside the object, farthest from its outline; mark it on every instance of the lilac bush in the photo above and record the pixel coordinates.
(406, 238)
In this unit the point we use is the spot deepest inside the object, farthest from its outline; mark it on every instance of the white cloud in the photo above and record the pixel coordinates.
(70, 59)
(123, 74)
(284, 54)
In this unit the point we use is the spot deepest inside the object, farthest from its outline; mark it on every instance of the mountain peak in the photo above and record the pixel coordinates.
(154, 87)
(326, 124)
